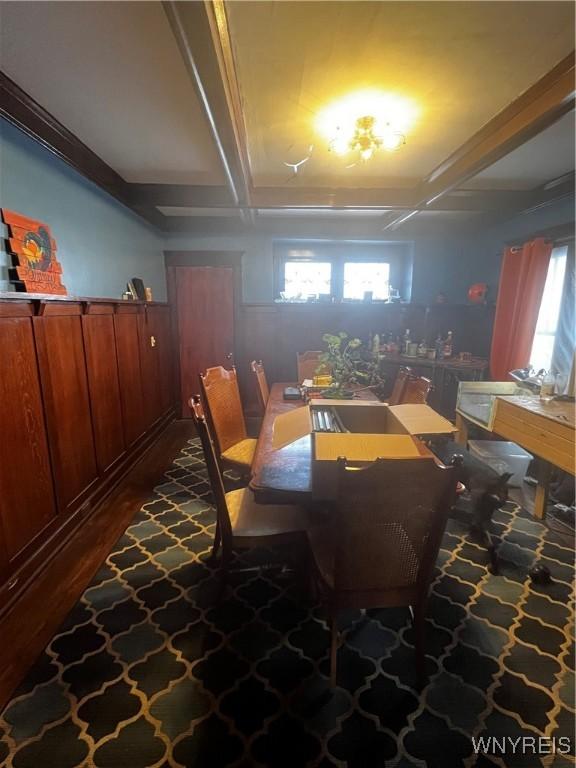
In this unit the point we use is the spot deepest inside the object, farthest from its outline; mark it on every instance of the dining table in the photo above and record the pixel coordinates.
(284, 475)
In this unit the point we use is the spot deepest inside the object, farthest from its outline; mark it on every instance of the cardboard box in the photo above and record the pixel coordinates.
(375, 430)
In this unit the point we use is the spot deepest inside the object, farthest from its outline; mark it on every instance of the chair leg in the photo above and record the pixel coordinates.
(216, 544)
(333, 649)
(419, 632)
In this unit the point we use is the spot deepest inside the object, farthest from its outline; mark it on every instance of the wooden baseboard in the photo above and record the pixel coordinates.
(32, 619)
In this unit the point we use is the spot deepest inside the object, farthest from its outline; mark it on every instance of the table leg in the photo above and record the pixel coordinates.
(541, 498)
(462, 427)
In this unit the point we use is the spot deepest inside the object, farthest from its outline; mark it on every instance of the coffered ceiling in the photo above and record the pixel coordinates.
(189, 111)
(459, 64)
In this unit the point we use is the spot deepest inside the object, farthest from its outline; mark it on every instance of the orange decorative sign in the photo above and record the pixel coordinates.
(33, 249)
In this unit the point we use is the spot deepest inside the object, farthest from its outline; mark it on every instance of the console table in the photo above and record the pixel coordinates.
(546, 429)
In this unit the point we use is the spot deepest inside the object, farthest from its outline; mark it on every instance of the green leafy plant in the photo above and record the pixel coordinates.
(351, 364)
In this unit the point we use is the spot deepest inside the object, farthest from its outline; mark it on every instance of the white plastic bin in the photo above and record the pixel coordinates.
(503, 457)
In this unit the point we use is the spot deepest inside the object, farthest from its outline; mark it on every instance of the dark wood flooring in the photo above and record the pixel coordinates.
(34, 619)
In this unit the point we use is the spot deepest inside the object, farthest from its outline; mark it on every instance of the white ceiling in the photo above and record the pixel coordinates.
(113, 75)
(459, 62)
(545, 157)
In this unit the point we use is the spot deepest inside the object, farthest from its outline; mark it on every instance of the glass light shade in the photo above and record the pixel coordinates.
(392, 141)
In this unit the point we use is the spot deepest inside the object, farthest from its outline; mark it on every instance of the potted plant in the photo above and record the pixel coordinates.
(352, 366)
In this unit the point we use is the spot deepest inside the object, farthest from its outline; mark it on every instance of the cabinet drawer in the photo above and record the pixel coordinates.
(543, 437)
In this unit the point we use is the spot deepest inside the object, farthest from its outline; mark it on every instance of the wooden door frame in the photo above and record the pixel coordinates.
(174, 259)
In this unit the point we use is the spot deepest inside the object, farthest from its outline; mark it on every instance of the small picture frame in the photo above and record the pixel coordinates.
(139, 288)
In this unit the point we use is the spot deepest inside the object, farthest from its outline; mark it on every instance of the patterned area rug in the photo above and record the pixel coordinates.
(149, 670)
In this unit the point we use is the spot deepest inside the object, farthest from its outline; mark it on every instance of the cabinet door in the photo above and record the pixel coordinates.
(103, 383)
(27, 503)
(67, 405)
(165, 358)
(128, 354)
(149, 357)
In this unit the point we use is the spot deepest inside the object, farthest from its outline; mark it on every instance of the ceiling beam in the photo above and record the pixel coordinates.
(201, 31)
(211, 196)
(181, 195)
(20, 109)
(545, 102)
(540, 106)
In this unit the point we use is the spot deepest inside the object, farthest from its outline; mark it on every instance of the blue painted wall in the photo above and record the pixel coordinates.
(439, 264)
(101, 244)
(486, 250)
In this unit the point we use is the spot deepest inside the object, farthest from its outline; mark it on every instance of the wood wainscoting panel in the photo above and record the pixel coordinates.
(27, 503)
(60, 350)
(104, 386)
(129, 369)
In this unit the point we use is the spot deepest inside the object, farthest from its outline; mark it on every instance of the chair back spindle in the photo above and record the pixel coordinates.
(262, 388)
(213, 469)
(399, 385)
(416, 390)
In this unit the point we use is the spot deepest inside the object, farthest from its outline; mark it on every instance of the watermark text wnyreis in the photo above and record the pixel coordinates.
(522, 745)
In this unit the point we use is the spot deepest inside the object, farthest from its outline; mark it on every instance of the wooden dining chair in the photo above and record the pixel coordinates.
(240, 521)
(224, 410)
(262, 389)
(308, 365)
(381, 544)
(416, 390)
(399, 385)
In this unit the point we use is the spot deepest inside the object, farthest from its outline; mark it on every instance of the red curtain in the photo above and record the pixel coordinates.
(522, 280)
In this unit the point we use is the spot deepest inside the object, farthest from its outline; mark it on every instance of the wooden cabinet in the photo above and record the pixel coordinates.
(103, 384)
(27, 504)
(60, 349)
(150, 364)
(81, 396)
(126, 325)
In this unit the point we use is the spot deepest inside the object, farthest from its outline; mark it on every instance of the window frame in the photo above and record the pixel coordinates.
(337, 261)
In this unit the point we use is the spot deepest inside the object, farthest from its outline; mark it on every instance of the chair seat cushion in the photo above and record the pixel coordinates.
(251, 519)
(242, 453)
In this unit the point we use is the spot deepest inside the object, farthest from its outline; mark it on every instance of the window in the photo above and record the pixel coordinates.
(361, 278)
(543, 344)
(347, 270)
(307, 278)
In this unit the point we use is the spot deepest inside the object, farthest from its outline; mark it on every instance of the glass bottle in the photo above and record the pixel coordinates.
(439, 344)
(448, 345)
(406, 342)
(548, 386)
